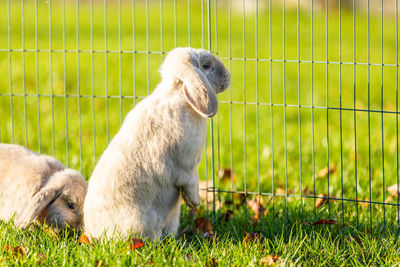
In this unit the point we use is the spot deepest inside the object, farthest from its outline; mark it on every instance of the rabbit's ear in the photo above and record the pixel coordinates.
(39, 202)
(199, 93)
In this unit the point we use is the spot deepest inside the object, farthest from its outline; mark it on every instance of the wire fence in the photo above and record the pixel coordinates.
(309, 123)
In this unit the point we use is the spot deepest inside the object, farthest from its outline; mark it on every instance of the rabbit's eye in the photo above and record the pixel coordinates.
(71, 206)
(206, 66)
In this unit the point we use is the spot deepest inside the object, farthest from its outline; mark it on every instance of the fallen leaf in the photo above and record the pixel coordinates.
(204, 225)
(253, 236)
(325, 171)
(228, 202)
(17, 251)
(83, 239)
(280, 191)
(307, 191)
(226, 175)
(256, 207)
(321, 200)
(135, 243)
(98, 263)
(20, 250)
(269, 260)
(51, 233)
(240, 196)
(321, 221)
(364, 203)
(388, 199)
(212, 262)
(42, 258)
(228, 215)
(393, 189)
(254, 220)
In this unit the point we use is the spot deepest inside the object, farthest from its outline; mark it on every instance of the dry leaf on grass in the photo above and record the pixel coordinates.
(51, 233)
(280, 191)
(388, 199)
(393, 189)
(212, 262)
(251, 237)
(41, 258)
(98, 263)
(83, 239)
(226, 175)
(204, 225)
(228, 202)
(321, 200)
(254, 220)
(240, 196)
(256, 207)
(307, 191)
(321, 221)
(269, 260)
(135, 243)
(363, 203)
(324, 172)
(17, 251)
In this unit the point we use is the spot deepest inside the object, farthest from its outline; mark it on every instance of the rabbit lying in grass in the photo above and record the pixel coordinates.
(36, 186)
(136, 185)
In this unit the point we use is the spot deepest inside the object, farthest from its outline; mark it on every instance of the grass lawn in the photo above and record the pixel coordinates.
(280, 123)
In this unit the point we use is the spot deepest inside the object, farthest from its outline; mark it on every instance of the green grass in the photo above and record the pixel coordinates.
(294, 243)
(77, 129)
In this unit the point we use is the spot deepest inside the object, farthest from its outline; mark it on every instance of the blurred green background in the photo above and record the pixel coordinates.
(71, 70)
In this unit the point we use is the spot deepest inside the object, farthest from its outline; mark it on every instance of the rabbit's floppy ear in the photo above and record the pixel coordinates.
(199, 93)
(48, 194)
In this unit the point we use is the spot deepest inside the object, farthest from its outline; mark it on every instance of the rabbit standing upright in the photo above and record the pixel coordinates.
(135, 187)
(37, 186)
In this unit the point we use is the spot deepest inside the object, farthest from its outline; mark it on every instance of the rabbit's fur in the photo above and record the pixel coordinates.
(136, 185)
(37, 186)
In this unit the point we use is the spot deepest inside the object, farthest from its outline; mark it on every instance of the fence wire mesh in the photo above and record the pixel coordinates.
(309, 123)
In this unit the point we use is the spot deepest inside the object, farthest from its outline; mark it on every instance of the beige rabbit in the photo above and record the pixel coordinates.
(36, 186)
(136, 185)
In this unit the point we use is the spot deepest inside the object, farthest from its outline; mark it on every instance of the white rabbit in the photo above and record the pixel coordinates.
(37, 186)
(136, 185)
